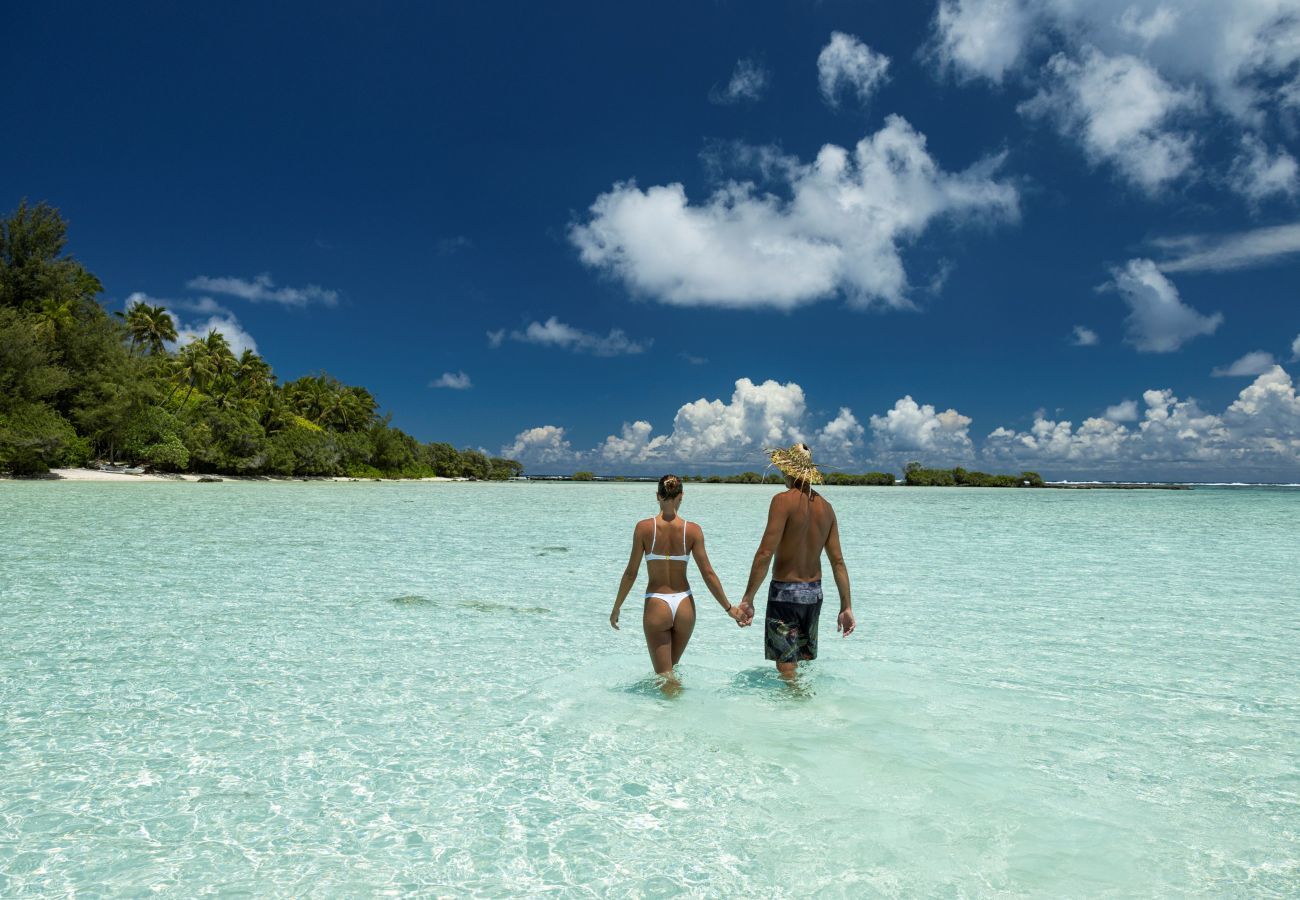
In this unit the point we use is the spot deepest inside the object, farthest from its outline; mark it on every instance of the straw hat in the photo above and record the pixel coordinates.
(796, 461)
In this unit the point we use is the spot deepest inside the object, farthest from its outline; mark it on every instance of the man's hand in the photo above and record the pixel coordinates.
(613, 619)
(735, 614)
(746, 617)
(846, 623)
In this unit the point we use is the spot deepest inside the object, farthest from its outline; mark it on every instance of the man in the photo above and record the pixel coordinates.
(800, 525)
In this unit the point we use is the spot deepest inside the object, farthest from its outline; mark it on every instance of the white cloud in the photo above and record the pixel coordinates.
(1295, 349)
(847, 64)
(636, 444)
(1265, 417)
(718, 432)
(841, 437)
(1121, 111)
(225, 324)
(1243, 250)
(1084, 336)
(914, 428)
(554, 333)
(543, 444)
(1158, 23)
(213, 317)
(263, 290)
(1158, 321)
(840, 232)
(456, 381)
(982, 38)
(1238, 50)
(1255, 363)
(1258, 435)
(1258, 175)
(747, 83)
(1124, 411)
(1240, 57)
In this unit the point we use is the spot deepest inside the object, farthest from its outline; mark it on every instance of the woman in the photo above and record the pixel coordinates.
(667, 541)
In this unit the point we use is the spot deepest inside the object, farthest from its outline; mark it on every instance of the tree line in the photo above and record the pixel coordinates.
(78, 384)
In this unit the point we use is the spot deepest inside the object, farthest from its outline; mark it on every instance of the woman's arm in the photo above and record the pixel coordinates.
(710, 577)
(629, 574)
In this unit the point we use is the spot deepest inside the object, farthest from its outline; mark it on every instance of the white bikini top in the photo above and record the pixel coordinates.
(656, 556)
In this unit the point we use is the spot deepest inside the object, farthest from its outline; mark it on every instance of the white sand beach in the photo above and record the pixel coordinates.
(82, 474)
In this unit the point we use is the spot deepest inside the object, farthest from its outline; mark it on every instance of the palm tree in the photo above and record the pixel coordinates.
(150, 326)
(192, 367)
(253, 375)
(53, 318)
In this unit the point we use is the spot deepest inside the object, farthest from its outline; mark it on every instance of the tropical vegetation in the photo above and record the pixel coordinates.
(78, 384)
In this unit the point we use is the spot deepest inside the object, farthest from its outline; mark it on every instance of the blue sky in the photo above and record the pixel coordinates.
(999, 233)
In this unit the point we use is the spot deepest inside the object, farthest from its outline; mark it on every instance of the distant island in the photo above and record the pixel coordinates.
(78, 384)
(914, 474)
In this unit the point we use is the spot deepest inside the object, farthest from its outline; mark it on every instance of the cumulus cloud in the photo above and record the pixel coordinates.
(1240, 58)
(1238, 50)
(841, 437)
(554, 333)
(1257, 174)
(1158, 321)
(1121, 111)
(1295, 349)
(1255, 363)
(840, 232)
(542, 445)
(636, 444)
(980, 38)
(262, 289)
(225, 324)
(747, 83)
(846, 64)
(719, 431)
(1084, 336)
(911, 427)
(1259, 433)
(456, 381)
(1124, 411)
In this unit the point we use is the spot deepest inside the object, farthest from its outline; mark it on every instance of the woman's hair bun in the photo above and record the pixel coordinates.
(670, 486)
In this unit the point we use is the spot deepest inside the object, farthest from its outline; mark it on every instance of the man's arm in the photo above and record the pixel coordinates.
(846, 621)
(776, 516)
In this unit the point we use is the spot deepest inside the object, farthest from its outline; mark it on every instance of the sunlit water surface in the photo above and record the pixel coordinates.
(351, 689)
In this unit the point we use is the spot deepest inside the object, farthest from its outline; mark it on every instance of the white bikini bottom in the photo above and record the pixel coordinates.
(673, 600)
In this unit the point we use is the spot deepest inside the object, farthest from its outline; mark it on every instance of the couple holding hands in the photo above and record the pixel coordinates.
(800, 526)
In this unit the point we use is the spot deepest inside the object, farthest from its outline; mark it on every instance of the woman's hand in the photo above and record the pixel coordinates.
(613, 618)
(746, 608)
(734, 613)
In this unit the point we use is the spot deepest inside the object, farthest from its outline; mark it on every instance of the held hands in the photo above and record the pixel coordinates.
(846, 623)
(745, 612)
(735, 613)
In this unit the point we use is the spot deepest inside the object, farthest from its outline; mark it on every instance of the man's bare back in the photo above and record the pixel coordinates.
(808, 523)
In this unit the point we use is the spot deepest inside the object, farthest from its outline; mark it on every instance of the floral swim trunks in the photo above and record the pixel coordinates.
(793, 608)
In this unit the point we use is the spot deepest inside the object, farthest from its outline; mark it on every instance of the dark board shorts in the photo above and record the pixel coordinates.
(793, 608)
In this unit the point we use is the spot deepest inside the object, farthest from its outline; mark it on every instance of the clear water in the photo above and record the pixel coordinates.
(357, 689)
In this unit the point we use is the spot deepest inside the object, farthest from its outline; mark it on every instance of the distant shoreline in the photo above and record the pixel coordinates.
(101, 476)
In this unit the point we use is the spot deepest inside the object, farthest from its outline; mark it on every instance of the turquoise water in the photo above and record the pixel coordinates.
(358, 689)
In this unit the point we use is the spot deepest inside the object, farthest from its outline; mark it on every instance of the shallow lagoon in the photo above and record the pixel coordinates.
(344, 689)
